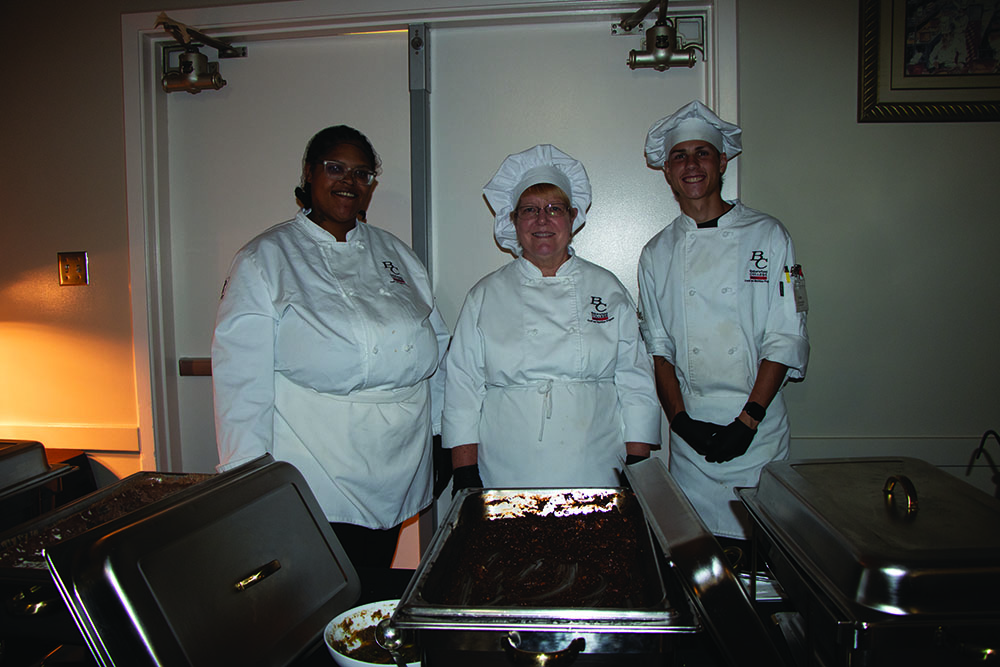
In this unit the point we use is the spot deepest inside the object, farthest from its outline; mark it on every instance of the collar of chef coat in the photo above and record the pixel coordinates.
(728, 218)
(320, 235)
(531, 271)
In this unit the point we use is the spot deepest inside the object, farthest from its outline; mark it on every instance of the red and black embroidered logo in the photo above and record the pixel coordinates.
(599, 311)
(393, 272)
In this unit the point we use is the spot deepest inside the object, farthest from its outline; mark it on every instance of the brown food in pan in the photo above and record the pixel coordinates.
(583, 560)
(27, 549)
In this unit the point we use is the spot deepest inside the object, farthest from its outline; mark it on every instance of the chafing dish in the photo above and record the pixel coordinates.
(885, 561)
(31, 606)
(687, 589)
(24, 473)
(242, 569)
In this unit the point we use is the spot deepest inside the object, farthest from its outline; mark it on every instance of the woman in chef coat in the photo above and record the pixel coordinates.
(547, 382)
(326, 349)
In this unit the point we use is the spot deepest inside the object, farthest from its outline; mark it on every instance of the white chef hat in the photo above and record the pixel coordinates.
(543, 163)
(693, 121)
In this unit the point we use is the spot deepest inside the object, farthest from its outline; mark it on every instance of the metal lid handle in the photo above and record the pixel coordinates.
(264, 572)
(519, 657)
(909, 490)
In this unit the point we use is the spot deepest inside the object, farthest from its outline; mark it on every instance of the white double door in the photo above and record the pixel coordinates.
(235, 156)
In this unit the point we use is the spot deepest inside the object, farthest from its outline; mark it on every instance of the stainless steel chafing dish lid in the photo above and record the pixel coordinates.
(701, 566)
(896, 535)
(244, 571)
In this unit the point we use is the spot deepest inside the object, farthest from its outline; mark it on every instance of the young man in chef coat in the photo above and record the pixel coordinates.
(723, 313)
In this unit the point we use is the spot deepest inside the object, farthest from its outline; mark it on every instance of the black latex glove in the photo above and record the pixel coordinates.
(465, 477)
(729, 443)
(695, 433)
(634, 458)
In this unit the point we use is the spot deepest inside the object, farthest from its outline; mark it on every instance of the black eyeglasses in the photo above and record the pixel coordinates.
(338, 171)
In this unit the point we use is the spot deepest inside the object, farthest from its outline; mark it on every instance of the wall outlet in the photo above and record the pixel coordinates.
(73, 268)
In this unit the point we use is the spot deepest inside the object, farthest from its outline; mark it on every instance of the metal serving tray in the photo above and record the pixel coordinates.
(893, 535)
(480, 508)
(18, 557)
(242, 570)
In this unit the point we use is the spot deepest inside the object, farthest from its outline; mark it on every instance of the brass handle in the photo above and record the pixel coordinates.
(519, 657)
(909, 490)
(256, 577)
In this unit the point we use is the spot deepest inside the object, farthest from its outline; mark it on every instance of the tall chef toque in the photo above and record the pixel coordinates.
(543, 163)
(692, 122)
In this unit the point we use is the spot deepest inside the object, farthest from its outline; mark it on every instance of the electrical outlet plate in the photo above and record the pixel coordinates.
(73, 268)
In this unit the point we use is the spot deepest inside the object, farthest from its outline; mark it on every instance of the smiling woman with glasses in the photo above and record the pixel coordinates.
(326, 349)
(546, 382)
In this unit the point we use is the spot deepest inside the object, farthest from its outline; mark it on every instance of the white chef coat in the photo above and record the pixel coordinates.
(548, 377)
(323, 355)
(713, 302)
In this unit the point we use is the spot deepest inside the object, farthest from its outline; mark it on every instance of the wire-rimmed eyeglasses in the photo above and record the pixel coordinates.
(551, 210)
(337, 171)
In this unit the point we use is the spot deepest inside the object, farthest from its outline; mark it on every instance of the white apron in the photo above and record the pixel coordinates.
(551, 434)
(706, 483)
(384, 476)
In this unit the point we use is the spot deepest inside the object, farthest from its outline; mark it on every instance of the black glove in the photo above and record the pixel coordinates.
(731, 442)
(695, 433)
(442, 466)
(634, 458)
(465, 477)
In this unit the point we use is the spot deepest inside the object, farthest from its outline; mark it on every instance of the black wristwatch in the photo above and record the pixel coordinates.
(755, 410)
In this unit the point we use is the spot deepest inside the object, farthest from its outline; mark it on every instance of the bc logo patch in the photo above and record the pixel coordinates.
(393, 272)
(757, 272)
(599, 311)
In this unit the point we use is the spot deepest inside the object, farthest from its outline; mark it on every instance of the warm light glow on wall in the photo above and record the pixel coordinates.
(63, 382)
(56, 374)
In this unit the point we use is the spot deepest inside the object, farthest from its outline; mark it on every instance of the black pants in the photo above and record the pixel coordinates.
(367, 547)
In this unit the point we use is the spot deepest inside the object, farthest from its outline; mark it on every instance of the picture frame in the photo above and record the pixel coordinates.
(927, 61)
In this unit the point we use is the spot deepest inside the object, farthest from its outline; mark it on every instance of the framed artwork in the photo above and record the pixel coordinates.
(929, 61)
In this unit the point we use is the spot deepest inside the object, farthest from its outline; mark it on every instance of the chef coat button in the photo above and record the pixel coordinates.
(375, 350)
(732, 350)
(691, 292)
(696, 350)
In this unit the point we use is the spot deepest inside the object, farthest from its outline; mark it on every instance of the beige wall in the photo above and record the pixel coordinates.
(898, 234)
(893, 224)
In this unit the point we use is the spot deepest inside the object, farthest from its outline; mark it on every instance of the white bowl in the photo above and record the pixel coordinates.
(352, 621)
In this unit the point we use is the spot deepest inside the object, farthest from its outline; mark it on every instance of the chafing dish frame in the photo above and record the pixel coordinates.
(698, 578)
